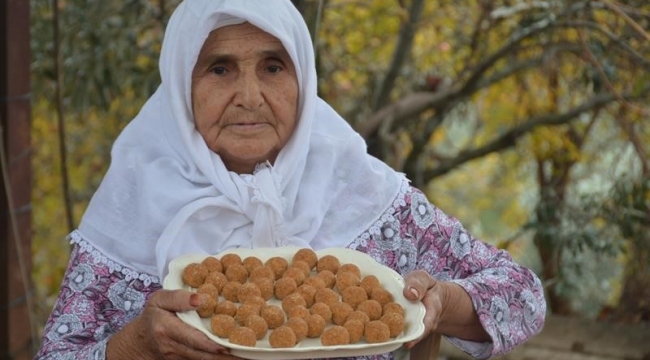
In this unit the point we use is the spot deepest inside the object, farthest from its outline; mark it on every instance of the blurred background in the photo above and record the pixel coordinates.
(527, 120)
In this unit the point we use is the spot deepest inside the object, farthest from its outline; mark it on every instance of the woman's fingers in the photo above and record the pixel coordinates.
(416, 284)
(158, 333)
(432, 305)
(174, 300)
(183, 341)
(420, 286)
(175, 350)
(192, 338)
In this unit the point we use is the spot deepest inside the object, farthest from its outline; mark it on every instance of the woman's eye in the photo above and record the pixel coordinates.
(274, 69)
(218, 70)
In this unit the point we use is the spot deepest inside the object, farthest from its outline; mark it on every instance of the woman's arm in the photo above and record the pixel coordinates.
(107, 311)
(94, 302)
(506, 297)
(484, 284)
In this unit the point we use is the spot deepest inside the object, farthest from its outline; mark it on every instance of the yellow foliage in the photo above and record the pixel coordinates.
(488, 200)
(89, 136)
(553, 143)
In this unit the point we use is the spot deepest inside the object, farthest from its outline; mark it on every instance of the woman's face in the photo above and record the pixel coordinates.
(244, 96)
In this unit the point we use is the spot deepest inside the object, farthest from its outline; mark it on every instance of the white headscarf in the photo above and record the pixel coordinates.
(166, 193)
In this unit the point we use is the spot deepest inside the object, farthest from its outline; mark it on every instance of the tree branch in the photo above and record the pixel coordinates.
(510, 138)
(416, 103)
(623, 123)
(409, 106)
(507, 49)
(642, 60)
(627, 18)
(58, 93)
(479, 29)
(402, 50)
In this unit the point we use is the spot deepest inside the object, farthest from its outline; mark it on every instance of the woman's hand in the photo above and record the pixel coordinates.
(420, 286)
(158, 333)
(449, 308)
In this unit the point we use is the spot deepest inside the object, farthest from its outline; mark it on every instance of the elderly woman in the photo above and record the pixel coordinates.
(235, 149)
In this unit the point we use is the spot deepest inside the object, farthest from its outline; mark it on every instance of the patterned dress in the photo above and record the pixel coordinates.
(99, 296)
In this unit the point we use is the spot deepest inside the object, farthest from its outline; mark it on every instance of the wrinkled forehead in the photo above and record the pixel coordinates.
(282, 34)
(242, 36)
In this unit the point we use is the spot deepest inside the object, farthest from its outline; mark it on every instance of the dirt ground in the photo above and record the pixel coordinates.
(566, 338)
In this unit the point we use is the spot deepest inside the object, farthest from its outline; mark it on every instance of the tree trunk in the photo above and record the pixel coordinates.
(634, 303)
(548, 228)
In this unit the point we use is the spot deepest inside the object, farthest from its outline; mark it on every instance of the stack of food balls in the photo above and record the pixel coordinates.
(309, 297)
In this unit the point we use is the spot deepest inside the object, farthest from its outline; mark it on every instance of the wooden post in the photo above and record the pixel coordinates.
(16, 341)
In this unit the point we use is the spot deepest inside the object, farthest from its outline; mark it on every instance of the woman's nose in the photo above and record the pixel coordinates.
(249, 92)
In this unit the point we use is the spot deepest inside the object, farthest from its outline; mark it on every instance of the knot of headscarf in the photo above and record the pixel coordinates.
(266, 207)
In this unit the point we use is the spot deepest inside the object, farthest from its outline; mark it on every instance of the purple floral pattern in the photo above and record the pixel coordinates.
(94, 302)
(98, 296)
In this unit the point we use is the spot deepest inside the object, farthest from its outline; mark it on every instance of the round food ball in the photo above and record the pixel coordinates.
(345, 280)
(230, 291)
(298, 311)
(237, 272)
(327, 296)
(376, 332)
(208, 289)
(278, 264)
(350, 268)
(323, 310)
(395, 323)
(393, 307)
(245, 311)
(292, 300)
(258, 325)
(369, 282)
(354, 295)
(335, 335)
(226, 307)
(360, 316)
(307, 255)
(212, 264)
(328, 262)
(255, 300)
(307, 292)
(262, 272)
(194, 274)
(282, 337)
(283, 287)
(302, 266)
(265, 285)
(247, 291)
(217, 279)
(273, 315)
(299, 327)
(243, 336)
(315, 281)
(206, 307)
(251, 263)
(340, 312)
(315, 325)
(382, 296)
(296, 274)
(222, 325)
(328, 278)
(230, 259)
(372, 308)
(355, 330)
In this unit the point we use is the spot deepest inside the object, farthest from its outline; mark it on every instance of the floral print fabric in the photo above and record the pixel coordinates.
(98, 297)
